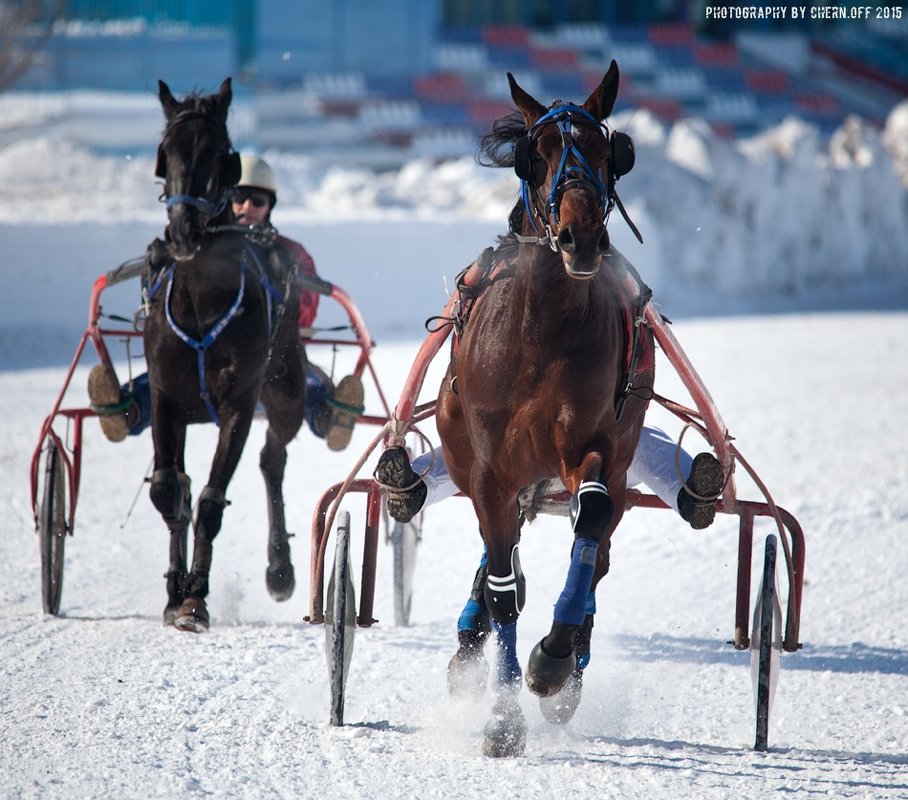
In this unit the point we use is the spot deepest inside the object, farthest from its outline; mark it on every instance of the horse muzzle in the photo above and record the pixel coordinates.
(582, 253)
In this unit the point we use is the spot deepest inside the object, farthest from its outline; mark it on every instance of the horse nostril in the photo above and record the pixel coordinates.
(566, 240)
(604, 242)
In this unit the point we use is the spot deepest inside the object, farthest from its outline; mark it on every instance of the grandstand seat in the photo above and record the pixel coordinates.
(442, 87)
(507, 35)
(561, 60)
(766, 81)
(715, 54)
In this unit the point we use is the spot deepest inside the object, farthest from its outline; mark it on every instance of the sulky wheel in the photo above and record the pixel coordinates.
(766, 644)
(52, 529)
(340, 619)
(404, 538)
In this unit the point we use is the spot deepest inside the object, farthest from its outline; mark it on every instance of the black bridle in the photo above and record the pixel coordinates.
(230, 172)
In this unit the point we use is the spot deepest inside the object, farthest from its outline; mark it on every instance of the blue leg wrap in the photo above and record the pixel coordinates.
(591, 603)
(571, 606)
(468, 617)
(508, 671)
(474, 616)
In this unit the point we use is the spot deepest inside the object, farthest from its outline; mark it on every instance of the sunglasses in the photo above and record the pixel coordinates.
(258, 199)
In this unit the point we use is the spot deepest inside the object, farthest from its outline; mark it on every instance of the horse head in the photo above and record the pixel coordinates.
(568, 162)
(197, 163)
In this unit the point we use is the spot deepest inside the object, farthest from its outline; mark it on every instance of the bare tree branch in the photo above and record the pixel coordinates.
(26, 26)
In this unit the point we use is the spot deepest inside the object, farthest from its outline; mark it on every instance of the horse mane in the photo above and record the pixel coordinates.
(496, 149)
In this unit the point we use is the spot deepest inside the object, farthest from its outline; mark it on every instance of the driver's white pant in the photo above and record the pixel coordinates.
(658, 464)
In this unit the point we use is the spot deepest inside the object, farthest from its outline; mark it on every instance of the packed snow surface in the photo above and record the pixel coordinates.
(805, 240)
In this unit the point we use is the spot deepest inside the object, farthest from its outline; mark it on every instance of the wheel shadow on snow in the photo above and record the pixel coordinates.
(853, 658)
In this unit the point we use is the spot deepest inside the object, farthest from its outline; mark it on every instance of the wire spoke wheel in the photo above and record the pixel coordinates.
(766, 644)
(340, 619)
(52, 529)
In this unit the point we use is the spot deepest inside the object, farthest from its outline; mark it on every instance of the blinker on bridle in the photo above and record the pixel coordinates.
(621, 161)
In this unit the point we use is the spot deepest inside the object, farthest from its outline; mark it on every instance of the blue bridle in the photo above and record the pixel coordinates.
(201, 203)
(580, 172)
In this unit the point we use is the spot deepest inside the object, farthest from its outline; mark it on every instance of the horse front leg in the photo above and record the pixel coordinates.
(504, 595)
(559, 708)
(468, 670)
(193, 613)
(170, 495)
(592, 512)
(279, 576)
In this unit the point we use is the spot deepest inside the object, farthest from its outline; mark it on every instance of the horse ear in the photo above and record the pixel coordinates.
(225, 95)
(168, 102)
(160, 167)
(601, 102)
(531, 108)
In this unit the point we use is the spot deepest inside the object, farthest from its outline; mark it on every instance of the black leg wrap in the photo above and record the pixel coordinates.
(210, 511)
(176, 581)
(591, 509)
(481, 625)
(582, 642)
(196, 585)
(505, 596)
(167, 493)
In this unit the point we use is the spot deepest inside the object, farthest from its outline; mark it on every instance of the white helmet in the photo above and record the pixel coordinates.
(256, 174)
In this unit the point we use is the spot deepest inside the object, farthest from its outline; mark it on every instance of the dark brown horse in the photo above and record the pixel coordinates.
(547, 382)
(221, 336)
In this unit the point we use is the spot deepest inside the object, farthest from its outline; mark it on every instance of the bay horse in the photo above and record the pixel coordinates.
(550, 379)
(220, 336)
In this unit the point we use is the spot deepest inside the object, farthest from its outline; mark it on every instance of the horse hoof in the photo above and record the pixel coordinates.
(547, 674)
(192, 616)
(559, 708)
(468, 674)
(280, 581)
(170, 615)
(506, 731)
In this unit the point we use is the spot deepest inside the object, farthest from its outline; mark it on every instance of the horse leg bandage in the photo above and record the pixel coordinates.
(166, 494)
(210, 511)
(508, 672)
(506, 595)
(571, 606)
(590, 509)
(474, 616)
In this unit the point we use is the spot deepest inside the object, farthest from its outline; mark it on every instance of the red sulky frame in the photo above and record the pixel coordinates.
(69, 444)
(705, 418)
